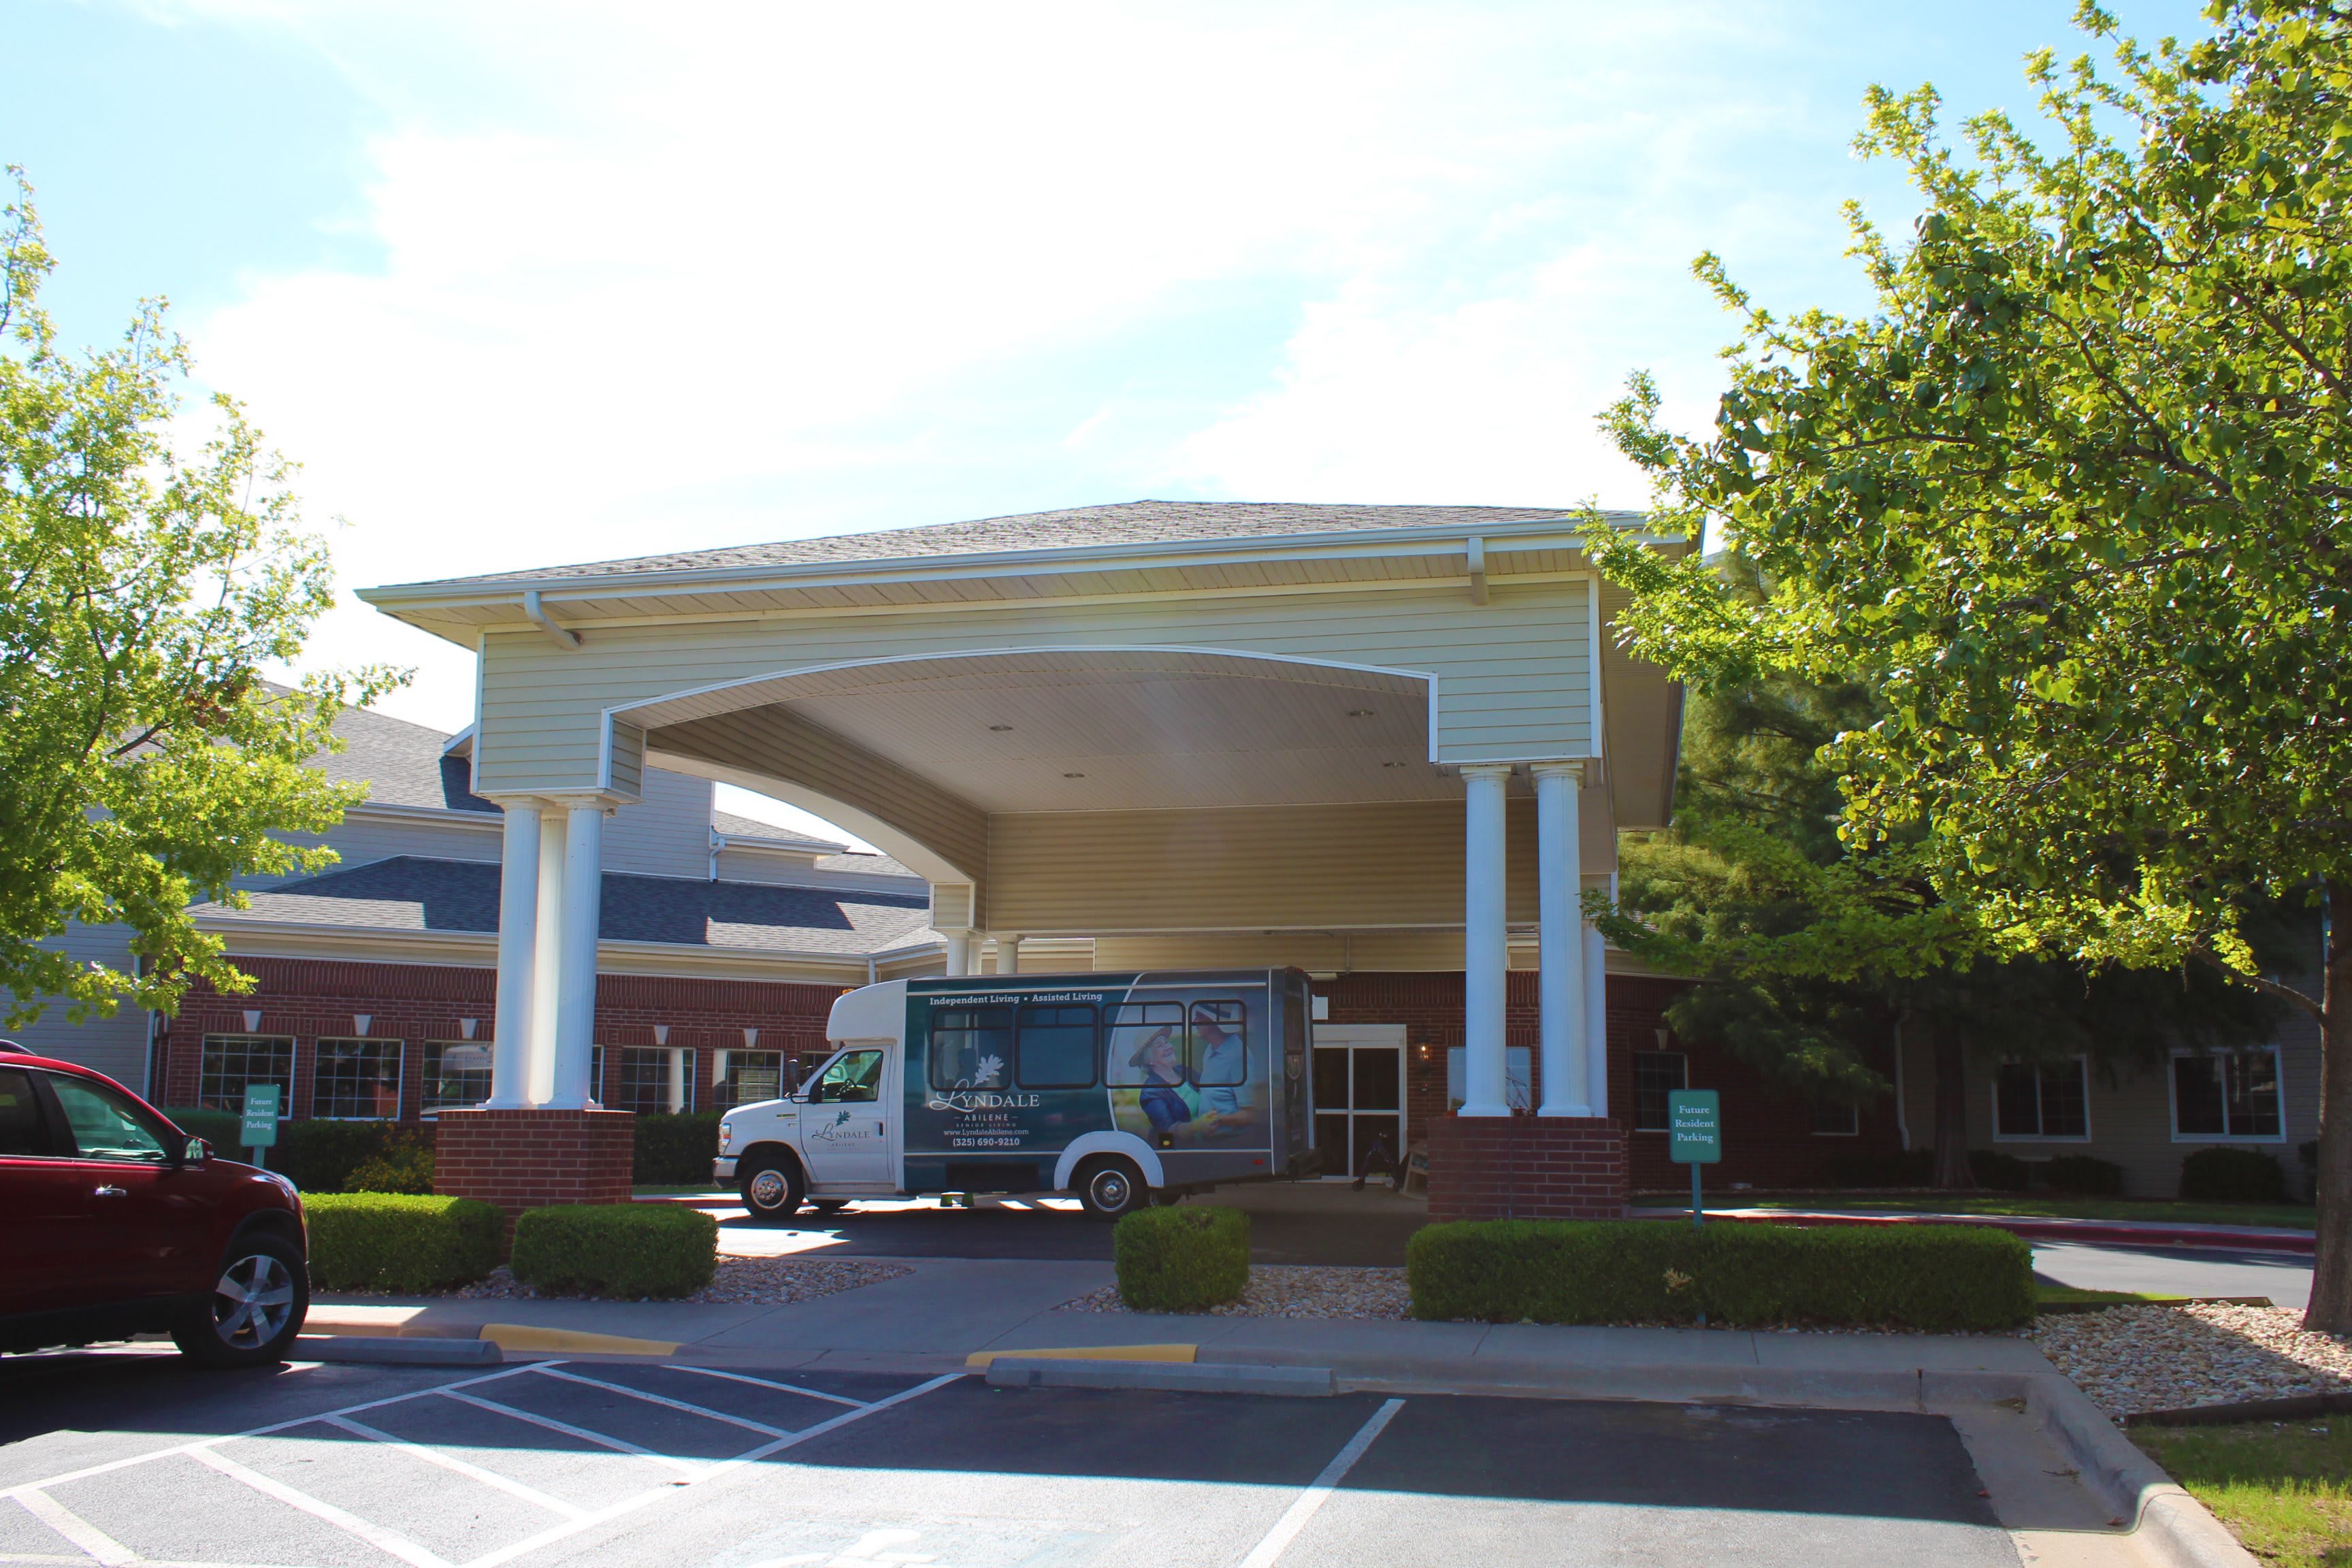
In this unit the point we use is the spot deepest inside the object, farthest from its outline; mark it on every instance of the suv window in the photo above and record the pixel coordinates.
(21, 1131)
(105, 1126)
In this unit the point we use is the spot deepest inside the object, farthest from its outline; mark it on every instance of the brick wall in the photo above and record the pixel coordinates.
(311, 999)
(1526, 1167)
(518, 1160)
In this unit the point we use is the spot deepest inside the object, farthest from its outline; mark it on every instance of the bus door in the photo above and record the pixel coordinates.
(845, 1131)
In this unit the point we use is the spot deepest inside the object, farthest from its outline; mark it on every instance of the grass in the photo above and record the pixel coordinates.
(694, 1190)
(2284, 1489)
(2048, 1295)
(2154, 1211)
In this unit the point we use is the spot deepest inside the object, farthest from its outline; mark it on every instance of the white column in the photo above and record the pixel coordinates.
(1596, 1021)
(546, 942)
(575, 1000)
(1560, 924)
(1008, 952)
(960, 946)
(517, 943)
(680, 1064)
(1485, 958)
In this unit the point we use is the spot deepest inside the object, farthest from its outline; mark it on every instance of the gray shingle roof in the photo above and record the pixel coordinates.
(1127, 522)
(736, 826)
(413, 894)
(400, 762)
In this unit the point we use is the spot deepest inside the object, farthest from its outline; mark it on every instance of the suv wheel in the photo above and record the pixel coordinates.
(772, 1191)
(1109, 1188)
(255, 1306)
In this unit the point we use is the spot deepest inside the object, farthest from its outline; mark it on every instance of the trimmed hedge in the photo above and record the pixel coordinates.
(2232, 1176)
(2082, 1174)
(675, 1150)
(217, 1128)
(403, 1164)
(624, 1250)
(1935, 1278)
(317, 1156)
(400, 1242)
(1181, 1259)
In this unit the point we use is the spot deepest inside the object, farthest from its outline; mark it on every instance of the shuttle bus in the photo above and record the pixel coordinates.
(1119, 1087)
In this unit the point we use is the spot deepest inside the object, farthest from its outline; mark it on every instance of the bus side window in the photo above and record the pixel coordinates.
(1220, 1045)
(971, 1047)
(1144, 1044)
(1053, 1048)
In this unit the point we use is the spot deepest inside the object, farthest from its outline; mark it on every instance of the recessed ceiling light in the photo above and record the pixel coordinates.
(1073, 775)
(1391, 765)
(999, 728)
(1360, 712)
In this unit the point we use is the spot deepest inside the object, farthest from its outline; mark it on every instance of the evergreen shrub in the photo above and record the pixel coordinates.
(622, 1250)
(399, 1242)
(675, 1150)
(1939, 1278)
(1181, 1259)
(2082, 1176)
(2232, 1176)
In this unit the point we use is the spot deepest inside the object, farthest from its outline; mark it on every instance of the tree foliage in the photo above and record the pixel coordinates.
(2072, 501)
(145, 763)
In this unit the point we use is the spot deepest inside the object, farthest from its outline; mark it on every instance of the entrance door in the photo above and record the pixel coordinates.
(1359, 1093)
(845, 1128)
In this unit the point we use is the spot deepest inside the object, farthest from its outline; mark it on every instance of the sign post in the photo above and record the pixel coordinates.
(259, 1131)
(1695, 1137)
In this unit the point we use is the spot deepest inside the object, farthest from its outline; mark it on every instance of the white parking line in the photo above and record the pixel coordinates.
(1294, 1520)
(764, 1383)
(709, 1414)
(506, 1484)
(375, 1535)
(618, 1445)
(76, 1529)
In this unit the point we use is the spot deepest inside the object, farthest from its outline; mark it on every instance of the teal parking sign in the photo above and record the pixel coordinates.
(1693, 1127)
(259, 1129)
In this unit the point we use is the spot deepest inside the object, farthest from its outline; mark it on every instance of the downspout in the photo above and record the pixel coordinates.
(545, 622)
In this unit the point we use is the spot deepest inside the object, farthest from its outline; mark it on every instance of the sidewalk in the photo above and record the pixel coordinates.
(2034, 1227)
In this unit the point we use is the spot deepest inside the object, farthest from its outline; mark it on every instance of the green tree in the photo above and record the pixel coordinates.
(143, 761)
(2071, 500)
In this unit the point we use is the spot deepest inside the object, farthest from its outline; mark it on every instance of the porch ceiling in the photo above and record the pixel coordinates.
(1105, 729)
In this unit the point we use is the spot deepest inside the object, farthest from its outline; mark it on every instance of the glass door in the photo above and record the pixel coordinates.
(1359, 1094)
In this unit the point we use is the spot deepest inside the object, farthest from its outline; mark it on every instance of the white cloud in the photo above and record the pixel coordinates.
(665, 276)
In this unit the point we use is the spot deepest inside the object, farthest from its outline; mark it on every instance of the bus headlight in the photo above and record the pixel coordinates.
(725, 1136)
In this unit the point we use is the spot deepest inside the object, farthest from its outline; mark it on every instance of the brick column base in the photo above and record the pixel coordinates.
(1526, 1167)
(518, 1160)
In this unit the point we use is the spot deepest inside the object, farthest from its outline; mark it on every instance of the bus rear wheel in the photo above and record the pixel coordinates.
(1109, 1188)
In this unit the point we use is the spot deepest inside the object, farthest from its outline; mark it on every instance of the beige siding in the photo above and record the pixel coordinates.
(116, 1047)
(364, 836)
(665, 834)
(1512, 674)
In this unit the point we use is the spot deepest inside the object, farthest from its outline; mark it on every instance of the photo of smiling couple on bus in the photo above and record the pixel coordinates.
(1216, 1101)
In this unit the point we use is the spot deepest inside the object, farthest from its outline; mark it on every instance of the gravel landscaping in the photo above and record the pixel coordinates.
(739, 1282)
(1293, 1290)
(2131, 1359)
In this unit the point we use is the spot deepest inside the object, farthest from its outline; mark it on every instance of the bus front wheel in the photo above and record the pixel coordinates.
(772, 1190)
(1109, 1188)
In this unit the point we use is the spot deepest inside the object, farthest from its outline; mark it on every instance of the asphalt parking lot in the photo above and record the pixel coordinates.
(127, 1459)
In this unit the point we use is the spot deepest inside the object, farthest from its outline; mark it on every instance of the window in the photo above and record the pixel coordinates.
(1836, 1119)
(1656, 1074)
(356, 1080)
(2229, 1096)
(232, 1061)
(649, 1080)
(1053, 1048)
(21, 1129)
(746, 1078)
(969, 1046)
(105, 1125)
(457, 1073)
(1219, 1049)
(1146, 1045)
(2041, 1100)
(857, 1076)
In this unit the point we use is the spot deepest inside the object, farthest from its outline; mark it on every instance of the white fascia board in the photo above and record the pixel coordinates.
(479, 949)
(440, 815)
(1368, 544)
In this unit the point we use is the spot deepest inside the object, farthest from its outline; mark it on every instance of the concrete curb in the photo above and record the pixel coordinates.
(1196, 1377)
(390, 1349)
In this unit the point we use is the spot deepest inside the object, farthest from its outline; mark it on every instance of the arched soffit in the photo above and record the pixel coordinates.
(1088, 729)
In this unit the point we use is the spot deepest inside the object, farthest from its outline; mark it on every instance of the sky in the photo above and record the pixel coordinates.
(522, 284)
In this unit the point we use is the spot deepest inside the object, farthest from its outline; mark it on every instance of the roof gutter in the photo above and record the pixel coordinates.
(563, 635)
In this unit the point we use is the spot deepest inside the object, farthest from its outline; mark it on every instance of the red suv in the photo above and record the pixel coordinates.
(117, 1223)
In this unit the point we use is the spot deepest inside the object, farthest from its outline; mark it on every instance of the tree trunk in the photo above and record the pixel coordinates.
(1952, 1173)
(2331, 1271)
